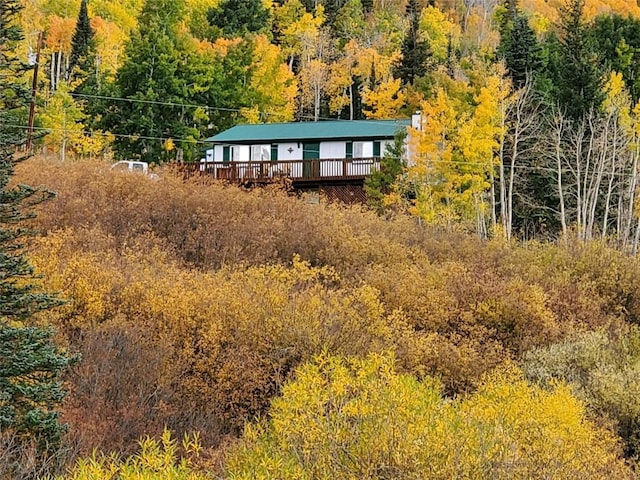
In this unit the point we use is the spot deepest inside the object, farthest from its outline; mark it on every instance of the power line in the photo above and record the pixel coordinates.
(107, 134)
(208, 107)
(157, 102)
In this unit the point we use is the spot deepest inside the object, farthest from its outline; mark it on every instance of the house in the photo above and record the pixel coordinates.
(320, 152)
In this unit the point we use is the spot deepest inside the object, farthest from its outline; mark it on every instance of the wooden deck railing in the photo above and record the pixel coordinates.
(297, 170)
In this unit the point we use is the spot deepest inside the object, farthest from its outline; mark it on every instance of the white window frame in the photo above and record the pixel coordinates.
(261, 153)
(358, 150)
(234, 153)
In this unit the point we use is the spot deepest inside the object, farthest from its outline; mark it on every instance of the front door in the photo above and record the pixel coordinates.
(310, 157)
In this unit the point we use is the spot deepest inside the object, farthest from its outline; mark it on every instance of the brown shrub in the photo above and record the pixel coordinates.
(189, 312)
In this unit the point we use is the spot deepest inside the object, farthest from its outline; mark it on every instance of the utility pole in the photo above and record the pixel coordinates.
(34, 91)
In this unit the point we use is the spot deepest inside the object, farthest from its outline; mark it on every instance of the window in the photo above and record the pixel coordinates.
(120, 167)
(235, 153)
(261, 153)
(358, 149)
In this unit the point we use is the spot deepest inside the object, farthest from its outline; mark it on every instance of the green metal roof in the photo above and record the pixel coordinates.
(298, 131)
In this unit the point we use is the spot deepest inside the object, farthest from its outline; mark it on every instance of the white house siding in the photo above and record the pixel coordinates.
(244, 153)
(294, 154)
(217, 153)
(333, 150)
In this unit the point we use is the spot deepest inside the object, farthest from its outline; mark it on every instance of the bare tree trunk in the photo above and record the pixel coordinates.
(503, 187)
(316, 104)
(631, 193)
(563, 215)
(636, 239)
(52, 70)
(595, 186)
(614, 166)
(63, 146)
(558, 128)
(526, 129)
(492, 179)
(58, 69)
(468, 4)
(581, 182)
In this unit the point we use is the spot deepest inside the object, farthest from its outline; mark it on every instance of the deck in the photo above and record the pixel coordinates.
(300, 172)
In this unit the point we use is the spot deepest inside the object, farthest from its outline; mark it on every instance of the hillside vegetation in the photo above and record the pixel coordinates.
(479, 318)
(195, 305)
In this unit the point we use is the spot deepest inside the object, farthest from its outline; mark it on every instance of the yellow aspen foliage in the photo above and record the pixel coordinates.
(384, 101)
(32, 19)
(110, 41)
(453, 155)
(273, 83)
(300, 29)
(123, 13)
(342, 73)
(617, 101)
(358, 418)
(194, 4)
(547, 10)
(64, 118)
(439, 31)
(59, 33)
(340, 82)
(221, 46)
(431, 159)
(373, 61)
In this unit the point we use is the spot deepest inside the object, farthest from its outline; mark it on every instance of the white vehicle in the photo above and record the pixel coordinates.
(130, 166)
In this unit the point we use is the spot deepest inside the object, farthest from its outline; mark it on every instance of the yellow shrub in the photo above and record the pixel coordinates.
(357, 418)
(156, 460)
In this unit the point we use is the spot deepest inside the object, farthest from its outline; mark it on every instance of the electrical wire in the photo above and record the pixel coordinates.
(208, 108)
(107, 134)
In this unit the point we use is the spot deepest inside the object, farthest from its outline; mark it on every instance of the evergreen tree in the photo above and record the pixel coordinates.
(519, 46)
(309, 5)
(14, 94)
(331, 9)
(30, 365)
(235, 18)
(81, 42)
(165, 76)
(415, 50)
(392, 164)
(617, 41)
(577, 76)
(154, 76)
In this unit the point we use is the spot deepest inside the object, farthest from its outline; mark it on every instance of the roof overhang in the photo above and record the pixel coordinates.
(333, 130)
